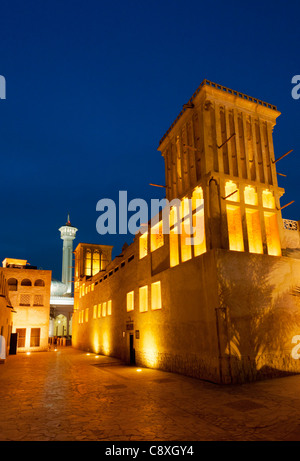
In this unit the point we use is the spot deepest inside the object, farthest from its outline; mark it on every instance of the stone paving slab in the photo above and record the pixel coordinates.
(62, 396)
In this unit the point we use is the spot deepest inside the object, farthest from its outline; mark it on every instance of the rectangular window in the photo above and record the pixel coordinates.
(143, 245)
(99, 310)
(109, 307)
(235, 231)
(104, 310)
(157, 236)
(130, 301)
(186, 230)
(24, 300)
(87, 314)
(143, 298)
(156, 295)
(268, 199)
(95, 311)
(88, 263)
(272, 234)
(199, 243)
(38, 300)
(254, 231)
(21, 336)
(174, 252)
(35, 337)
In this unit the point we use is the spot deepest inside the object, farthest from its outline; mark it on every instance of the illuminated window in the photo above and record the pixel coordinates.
(87, 314)
(130, 301)
(250, 195)
(88, 263)
(96, 262)
(174, 240)
(174, 252)
(92, 287)
(272, 234)
(143, 298)
(143, 244)
(235, 231)
(254, 231)
(155, 295)
(95, 311)
(157, 236)
(104, 310)
(268, 199)
(199, 243)
(35, 334)
(99, 310)
(186, 230)
(109, 307)
(232, 192)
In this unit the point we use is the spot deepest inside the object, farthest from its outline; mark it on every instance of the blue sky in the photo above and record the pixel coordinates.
(92, 86)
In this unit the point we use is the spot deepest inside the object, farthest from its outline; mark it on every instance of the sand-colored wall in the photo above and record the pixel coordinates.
(31, 316)
(262, 300)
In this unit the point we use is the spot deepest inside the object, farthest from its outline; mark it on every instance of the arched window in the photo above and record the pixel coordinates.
(12, 284)
(26, 283)
(39, 283)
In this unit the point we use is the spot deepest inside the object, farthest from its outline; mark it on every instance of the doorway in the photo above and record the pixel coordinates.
(131, 350)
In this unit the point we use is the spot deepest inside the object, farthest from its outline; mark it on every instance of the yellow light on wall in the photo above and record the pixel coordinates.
(143, 298)
(130, 301)
(88, 263)
(95, 311)
(156, 295)
(198, 222)
(272, 234)
(230, 188)
(268, 199)
(250, 195)
(174, 251)
(109, 307)
(235, 231)
(186, 230)
(143, 245)
(96, 262)
(254, 231)
(157, 236)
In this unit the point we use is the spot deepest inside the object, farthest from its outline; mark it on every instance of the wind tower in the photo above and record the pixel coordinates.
(67, 234)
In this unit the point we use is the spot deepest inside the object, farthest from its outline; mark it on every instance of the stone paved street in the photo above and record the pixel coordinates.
(69, 395)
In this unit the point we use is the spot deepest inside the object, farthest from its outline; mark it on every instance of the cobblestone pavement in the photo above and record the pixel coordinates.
(69, 395)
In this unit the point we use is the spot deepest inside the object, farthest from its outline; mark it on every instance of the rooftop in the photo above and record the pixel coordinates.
(205, 82)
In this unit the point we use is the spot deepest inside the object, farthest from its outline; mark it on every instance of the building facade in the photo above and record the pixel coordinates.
(29, 293)
(217, 296)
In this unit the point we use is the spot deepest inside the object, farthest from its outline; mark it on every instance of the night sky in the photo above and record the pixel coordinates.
(92, 86)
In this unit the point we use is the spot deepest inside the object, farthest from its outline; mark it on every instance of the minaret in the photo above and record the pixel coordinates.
(67, 234)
